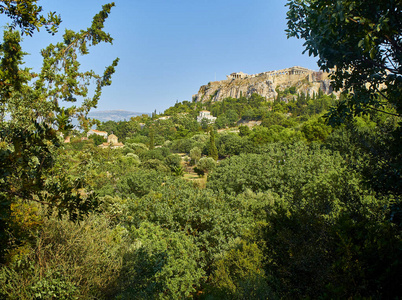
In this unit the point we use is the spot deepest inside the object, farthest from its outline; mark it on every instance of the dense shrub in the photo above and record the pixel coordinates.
(67, 261)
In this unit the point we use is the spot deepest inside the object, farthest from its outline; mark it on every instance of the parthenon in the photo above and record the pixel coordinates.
(289, 71)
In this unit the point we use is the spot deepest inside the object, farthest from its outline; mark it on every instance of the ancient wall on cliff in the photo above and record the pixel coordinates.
(265, 84)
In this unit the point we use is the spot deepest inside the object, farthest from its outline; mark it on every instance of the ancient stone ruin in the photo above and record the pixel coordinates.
(265, 84)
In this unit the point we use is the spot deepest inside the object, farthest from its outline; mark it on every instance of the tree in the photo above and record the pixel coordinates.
(315, 130)
(151, 137)
(98, 139)
(27, 15)
(212, 150)
(244, 130)
(195, 154)
(205, 165)
(232, 116)
(361, 42)
(29, 139)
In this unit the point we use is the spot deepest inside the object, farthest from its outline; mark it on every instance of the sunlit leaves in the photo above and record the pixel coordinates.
(27, 15)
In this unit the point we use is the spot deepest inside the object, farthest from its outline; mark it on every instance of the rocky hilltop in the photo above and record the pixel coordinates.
(265, 84)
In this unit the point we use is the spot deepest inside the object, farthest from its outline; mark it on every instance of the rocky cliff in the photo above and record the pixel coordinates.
(265, 84)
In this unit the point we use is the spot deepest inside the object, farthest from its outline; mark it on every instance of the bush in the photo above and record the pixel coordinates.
(205, 165)
(239, 274)
(161, 265)
(139, 183)
(135, 148)
(173, 161)
(68, 261)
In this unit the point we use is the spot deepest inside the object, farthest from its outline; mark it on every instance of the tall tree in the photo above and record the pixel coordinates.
(28, 138)
(361, 41)
(212, 150)
(151, 137)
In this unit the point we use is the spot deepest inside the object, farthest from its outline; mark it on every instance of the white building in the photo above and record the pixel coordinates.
(204, 114)
(237, 75)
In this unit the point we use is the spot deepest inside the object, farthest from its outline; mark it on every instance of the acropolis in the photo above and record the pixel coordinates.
(240, 84)
(289, 71)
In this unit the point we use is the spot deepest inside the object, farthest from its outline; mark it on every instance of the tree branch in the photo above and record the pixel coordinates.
(383, 111)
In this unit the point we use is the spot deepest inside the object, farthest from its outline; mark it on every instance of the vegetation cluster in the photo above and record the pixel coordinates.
(275, 200)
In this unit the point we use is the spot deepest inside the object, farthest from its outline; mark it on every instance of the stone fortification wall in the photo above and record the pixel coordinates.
(265, 84)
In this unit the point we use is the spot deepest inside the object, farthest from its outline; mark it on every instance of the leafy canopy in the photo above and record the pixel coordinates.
(361, 40)
(31, 112)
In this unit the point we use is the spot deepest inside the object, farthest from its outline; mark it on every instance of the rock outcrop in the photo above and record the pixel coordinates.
(265, 84)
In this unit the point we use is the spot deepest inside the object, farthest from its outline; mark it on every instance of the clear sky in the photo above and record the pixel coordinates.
(169, 48)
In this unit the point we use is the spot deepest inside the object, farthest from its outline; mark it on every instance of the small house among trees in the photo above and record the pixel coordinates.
(112, 142)
(205, 114)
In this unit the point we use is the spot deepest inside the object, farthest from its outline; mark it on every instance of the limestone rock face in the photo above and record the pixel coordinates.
(265, 84)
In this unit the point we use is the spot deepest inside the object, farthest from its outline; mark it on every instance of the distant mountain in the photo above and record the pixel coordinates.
(113, 115)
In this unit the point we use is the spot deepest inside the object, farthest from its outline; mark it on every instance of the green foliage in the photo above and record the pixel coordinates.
(315, 130)
(51, 285)
(151, 138)
(173, 162)
(372, 149)
(136, 148)
(212, 150)
(162, 265)
(296, 172)
(205, 165)
(275, 133)
(179, 108)
(69, 261)
(360, 39)
(132, 159)
(232, 144)
(239, 274)
(28, 16)
(319, 255)
(98, 139)
(159, 153)
(140, 183)
(28, 172)
(29, 142)
(273, 118)
(195, 154)
(230, 109)
(60, 77)
(211, 220)
(294, 210)
(244, 130)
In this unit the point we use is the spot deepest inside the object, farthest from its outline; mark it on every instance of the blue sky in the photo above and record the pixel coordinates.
(169, 48)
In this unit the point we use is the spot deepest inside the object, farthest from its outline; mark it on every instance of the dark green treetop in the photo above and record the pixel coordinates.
(212, 150)
(361, 41)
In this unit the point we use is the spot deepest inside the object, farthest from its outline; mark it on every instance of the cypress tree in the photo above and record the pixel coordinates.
(151, 138)
(212, 151)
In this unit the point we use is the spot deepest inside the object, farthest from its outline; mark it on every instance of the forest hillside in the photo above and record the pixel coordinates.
(294, 198)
